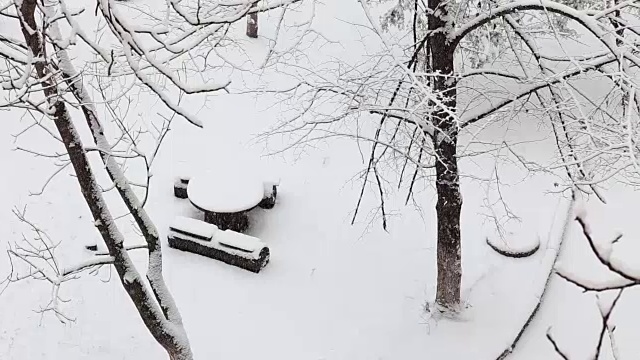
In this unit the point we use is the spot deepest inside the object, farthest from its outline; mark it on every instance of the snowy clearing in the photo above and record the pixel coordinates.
(338, 286)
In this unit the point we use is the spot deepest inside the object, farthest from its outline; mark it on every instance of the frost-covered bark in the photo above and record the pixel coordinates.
(161, 317)
(445, 141)
(252, 24)
(146, 226)
(448, 208)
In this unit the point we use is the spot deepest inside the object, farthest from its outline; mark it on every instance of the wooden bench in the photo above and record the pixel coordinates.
(180, 187)
(270, 194)
(233, 248)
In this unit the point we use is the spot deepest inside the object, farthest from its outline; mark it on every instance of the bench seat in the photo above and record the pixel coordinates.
(228, 246)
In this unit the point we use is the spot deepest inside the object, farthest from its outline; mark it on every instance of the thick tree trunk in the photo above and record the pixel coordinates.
(146, 226)
(169, 334)
(445, 140)
(448, 212)
(252, 24)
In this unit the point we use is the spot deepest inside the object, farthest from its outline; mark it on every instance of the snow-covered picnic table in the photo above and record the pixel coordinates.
(225, 195)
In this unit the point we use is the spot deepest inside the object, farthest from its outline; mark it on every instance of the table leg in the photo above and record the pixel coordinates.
(210, 217)
(232, 221)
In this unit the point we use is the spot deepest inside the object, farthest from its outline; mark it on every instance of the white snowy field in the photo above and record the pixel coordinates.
(332, 291)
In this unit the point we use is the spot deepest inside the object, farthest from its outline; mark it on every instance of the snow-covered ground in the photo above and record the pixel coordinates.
(332, 291)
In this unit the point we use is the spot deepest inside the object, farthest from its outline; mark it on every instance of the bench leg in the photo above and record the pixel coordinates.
(180, 191)
(270, 201)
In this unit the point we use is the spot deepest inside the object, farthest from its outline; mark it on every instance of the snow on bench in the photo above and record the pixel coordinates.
(245, 244)
(269, 185)
(192, 228)
(183, 178)
(228, 246)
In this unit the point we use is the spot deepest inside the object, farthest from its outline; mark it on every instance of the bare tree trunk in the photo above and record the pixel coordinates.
(448, 213)
(252, 23)
(169, 334)
(445, 140)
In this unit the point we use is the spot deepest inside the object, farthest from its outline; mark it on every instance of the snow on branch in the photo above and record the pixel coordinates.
(582, 18)
(555, 79)
(35, 257)
(128, 247)
(623, 281)
(603, 251)
(181, 50)
(54, 73)
(123, 185)
(223, 12)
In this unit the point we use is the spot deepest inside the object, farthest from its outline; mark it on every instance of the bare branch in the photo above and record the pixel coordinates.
(556, 348)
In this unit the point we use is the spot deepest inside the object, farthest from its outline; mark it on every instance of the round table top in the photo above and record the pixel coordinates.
(225, 191)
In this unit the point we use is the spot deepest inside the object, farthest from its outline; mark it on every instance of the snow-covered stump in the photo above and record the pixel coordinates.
(180, 187)
(230, 247)
(514, 249)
